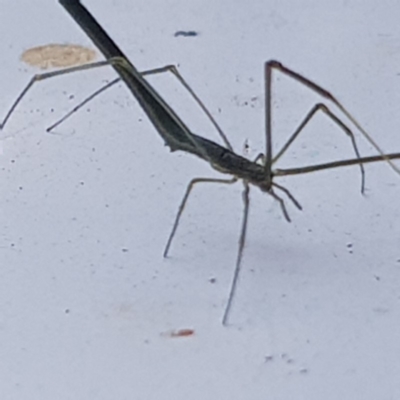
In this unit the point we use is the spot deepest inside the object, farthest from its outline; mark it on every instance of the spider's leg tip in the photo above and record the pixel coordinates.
(165, 254)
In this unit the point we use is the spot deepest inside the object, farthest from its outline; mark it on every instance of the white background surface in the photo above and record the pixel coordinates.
(87, 301)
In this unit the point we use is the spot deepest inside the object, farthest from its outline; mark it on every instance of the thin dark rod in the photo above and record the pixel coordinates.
(268, 122)
(161, 115)
(242, 241)
(334, 164)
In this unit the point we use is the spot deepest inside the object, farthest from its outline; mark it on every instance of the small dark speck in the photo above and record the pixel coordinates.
(350, 247)
(268, 358)
(125, 250)
(212, 280)
(378, 278)
(71, 97)
(82, 183)
(67, 311)
(186, 33)
(304, 371)
(20, 188)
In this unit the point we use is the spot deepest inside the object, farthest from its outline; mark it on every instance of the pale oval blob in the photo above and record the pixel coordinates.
(58, 56)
